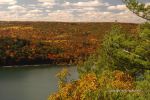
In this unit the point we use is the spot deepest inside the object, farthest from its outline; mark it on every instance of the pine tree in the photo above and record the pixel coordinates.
(140, 9)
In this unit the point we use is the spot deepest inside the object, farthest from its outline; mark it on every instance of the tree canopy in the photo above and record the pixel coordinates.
(140, 9)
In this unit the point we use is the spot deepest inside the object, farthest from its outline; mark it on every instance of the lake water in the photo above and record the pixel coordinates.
(30, 83)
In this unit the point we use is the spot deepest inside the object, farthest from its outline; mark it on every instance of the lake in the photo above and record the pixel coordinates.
(30, 83)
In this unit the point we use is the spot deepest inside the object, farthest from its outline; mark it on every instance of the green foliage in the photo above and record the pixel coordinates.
(121, 51)
(125, 52)
(140, 9)
(88, 66)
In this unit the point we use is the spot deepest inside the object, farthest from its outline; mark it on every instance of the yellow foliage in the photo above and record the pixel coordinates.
(64, 72)
(62, 76)
(17, 28)
(77, 89)
(122, 80)
(90, 85)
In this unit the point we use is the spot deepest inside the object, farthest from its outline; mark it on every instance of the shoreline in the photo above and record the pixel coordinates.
(36, 65)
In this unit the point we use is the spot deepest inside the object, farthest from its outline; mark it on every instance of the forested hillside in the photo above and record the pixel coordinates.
(51, 42)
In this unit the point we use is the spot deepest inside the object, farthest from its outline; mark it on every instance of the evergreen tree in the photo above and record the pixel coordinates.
(140, 9)
(122, 51)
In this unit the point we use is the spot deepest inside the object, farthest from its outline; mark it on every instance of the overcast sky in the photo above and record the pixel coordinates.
(67, 10)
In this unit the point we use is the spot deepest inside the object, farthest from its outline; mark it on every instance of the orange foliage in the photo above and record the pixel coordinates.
(90, 83)
(122, 80)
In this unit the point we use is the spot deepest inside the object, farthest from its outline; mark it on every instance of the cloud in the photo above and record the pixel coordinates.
(85, 6)
(7, 16)
(89, 8)
(67, 4)
(35, 11)
(17, 8)
(18, 12)
(28, 16)
(81, 10)
(90, 3)
(67, 10)
(47, 3)
(117, 7)
(61, 15)
(8, 2)
(47, 11)
(3, 13)
(94, 16)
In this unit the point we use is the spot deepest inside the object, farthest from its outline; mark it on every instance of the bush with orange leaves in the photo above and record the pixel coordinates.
(92, 87)
(122, 80)
(77, 90)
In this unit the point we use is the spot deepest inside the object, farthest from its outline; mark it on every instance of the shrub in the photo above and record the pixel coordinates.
(91, 87)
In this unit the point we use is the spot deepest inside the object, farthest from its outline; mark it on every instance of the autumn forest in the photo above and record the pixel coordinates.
(51, 42)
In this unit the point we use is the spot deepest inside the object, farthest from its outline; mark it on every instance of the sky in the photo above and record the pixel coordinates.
(67, 11)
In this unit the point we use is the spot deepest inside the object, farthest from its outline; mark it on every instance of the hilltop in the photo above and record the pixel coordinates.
(52, 42)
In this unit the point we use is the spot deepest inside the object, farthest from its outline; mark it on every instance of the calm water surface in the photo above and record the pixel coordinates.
(30, 83)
